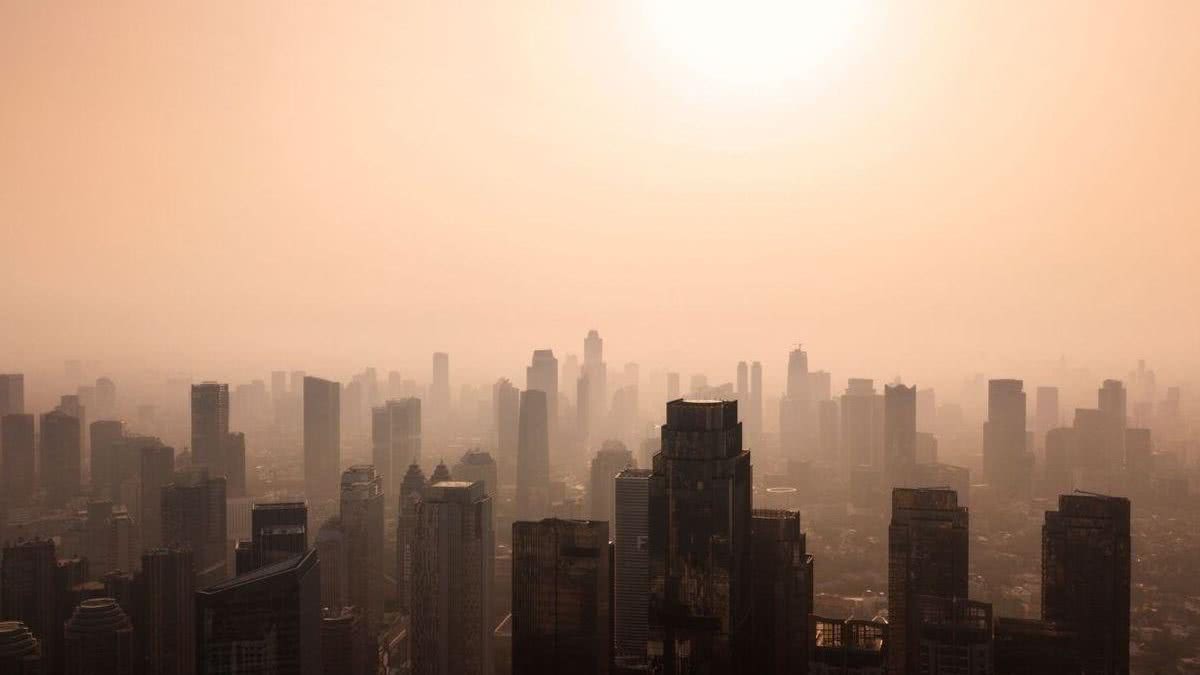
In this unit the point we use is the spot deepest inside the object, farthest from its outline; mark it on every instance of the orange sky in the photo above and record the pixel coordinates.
(233, 187)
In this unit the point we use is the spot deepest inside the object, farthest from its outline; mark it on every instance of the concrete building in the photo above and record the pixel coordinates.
(322, 438)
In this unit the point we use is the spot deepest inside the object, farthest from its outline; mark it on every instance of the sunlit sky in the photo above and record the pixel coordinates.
(918, 188)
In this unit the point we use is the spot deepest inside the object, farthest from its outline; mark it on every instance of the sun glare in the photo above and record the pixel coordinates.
(756, 43)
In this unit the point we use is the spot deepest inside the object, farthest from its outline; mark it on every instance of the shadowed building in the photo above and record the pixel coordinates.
(168, 608)
(267, 622)
(631, 568)
(27, 590)
(279, 531)
(98, 640)
(362, 523)
(700, 542)
(210, 425)
(1007, 465)
(193, 517)
(848, 647)
(17, 478)
(561, 615)
(61, 457)
(927, 558)
(782, 593)
(395, 441)
(156, 471)
(1085, 577)
(899, 434)
(612, 458)
(533, 457)
(322, 438)
(12, 394)
(20, 651)
(506, 412)
(411, 489)
(453, 553)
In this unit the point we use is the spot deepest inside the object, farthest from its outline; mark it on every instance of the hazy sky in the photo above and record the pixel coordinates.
(242, 186)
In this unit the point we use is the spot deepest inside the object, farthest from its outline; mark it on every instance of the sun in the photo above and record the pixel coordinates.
(756, 43)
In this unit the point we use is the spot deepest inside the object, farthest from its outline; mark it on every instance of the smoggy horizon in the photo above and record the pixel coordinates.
(226, 190)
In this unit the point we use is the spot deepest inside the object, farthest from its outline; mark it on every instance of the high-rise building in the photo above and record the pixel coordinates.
(61, 457)
(168, 607)
(796, 431)
(106, 398)
(1085, 577)
(1112, 402)
(362, 522)
(411, 490)
(28, 574)
(542, 375)
(12, 394)
(347, 647)
(322, 438)
(612, 459)
(193, 517)
(395, 440)
(1034, 647)
(899, 434)
(453, 553)
(673, 386)
(210, 425)
(477, 465)
(439, 394)
(1047, 414)
(267, 621)
(533, 457)
(754, 416)
(235, 463)
(743, 383)
(595, 375)
(17, 478)
(631, 568)
(98, 640)
(828, 427)
(105, 436)
(279, 530)
(1007, 464)
(156, 470)
(506, 409)
(782, 593)
(20, 651)
(927, 558)
(561, 615)
(700, 541)
(861, 424)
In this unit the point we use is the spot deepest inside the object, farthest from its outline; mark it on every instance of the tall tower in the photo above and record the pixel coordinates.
(783, 593)
(612, 458)
(279, 531)
(322, 437)
(1085, 577)
(1007, 466)
(561, 617)
(795, 409)
(743, 384)
(12, 394)
(595, 372)
(899, 434)
(1112, 402)
(862, 427)
(210, 425)
(754, 416)
(533, 457)
(156, 464)
(452, 575)
(506, 411)
(700, 540)
(193, 516)
(168, 581)
(61, 457)
(1047, 415)
(16, 443)
(542, 375)
(927, 565)
(631, 576)
(268, 621)
(395, 440)
(439, 394)
(362, 522)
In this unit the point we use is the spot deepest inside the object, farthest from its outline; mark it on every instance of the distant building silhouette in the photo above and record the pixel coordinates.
(322, 438)
(796, 433)
(506, 412)
(862, 424)
(395, 441)
(28, 583)
(193, 517)
(533, 457)
(17, 477)
(347, 644)
(593, 400)
(1086, 562)
(362, 522)
(542, 375)
(612, 458)
(477, 465)
(899, 434)
(279, 531)
(12, 394)
(61, 457)
(754, 416)
(561, 614)
(439, 394)
(451, 586)
(412, 488)
(210, 425)
(700, 541)
(265, 622)
(1007, 464)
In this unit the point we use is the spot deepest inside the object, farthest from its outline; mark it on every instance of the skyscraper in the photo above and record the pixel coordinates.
(98, 640)
(395, 440)
(27, 590)
(700, 541)
(506, 409)
(533, 457)
(210, 425)
(612, 458)
(1007, 466)
(61, 457)
(477, 465)
(279, 531)
(193, 516)
(168, 607)
(595, 372)
(542, 375)
(156, 471)
(560, 618)
(1085, 577)
(862, 424)
(451, 587)
(795, 409)
(362, 522)
(899, 434)
(1112, 402)
(743, 384)
(631, 573)
(754, 416)
(105, 435)
(782, 593)
(439, 394)
(927, 558)
(1047, 414)
(17, 478)
(673, 386)
(268, 621)
(322, 437)
(12, 394)
(411, 490)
